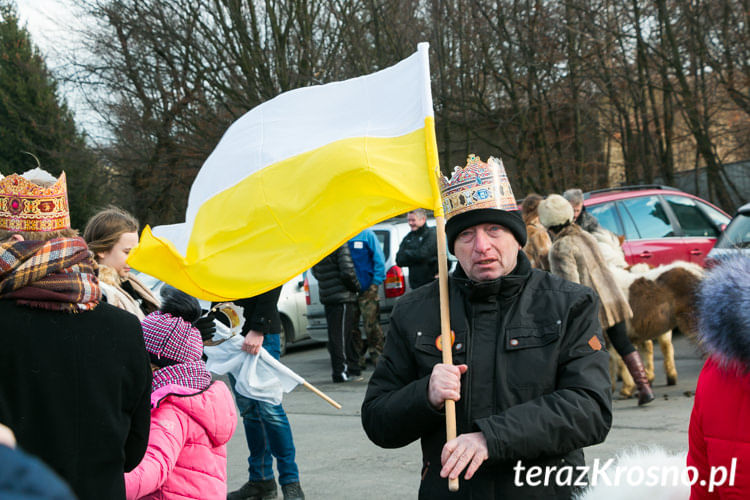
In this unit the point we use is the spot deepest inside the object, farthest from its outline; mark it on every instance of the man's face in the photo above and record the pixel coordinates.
(577, 207)
(486, 251)
(415, 221)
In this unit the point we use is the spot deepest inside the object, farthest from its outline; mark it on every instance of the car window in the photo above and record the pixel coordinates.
(737, 234)
(384, 240)
(719, 219)
(691, 219)
(631, 231)
(606, 214)
(649, 217)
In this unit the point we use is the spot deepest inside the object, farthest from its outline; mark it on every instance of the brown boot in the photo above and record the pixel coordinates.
(635, 367)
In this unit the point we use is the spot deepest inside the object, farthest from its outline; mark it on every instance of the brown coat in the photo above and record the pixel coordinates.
(575, 256)
(538, 244)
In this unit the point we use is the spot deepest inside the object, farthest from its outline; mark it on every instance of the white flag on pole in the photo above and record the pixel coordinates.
(259, 377)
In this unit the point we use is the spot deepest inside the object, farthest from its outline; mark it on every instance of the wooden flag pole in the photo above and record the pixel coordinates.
(322, 395)
(445, 331)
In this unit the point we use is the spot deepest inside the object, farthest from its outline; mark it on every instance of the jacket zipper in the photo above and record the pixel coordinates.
(469, 353)
(499, 348)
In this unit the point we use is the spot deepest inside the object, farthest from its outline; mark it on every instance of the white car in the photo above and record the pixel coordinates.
(734, 240)
(293, 311)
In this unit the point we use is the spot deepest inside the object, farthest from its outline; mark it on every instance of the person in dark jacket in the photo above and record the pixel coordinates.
(267, 428)
(588, 222)
(75, 378)
(530, 378)
(338, 287)
(418, 250)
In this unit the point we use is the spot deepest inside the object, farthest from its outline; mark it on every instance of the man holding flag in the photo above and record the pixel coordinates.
(296, 177)
(531, 380)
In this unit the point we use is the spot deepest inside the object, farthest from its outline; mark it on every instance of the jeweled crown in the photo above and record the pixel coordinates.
(26, 206)
(477, 185)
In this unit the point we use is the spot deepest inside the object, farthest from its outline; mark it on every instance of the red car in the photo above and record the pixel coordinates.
(660, 224)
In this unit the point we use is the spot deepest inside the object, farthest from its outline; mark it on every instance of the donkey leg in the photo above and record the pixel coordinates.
(667, 350)
(646, 348)
(628, 384)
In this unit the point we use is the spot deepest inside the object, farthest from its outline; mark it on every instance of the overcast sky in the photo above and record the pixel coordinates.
(52, 25)
(48, 21)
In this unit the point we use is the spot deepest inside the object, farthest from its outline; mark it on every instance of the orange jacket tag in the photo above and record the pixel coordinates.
(439, 341)
(594, 343)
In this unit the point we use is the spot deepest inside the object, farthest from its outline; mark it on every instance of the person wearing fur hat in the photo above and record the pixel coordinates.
(192, 418)
(111, 234)
(718, 434)
(575, 256)
(530, 378)
(74, 375)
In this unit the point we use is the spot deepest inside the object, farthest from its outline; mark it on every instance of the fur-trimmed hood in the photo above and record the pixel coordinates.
(724, 312)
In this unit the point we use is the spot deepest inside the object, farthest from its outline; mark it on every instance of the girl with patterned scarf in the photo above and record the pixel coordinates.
(192, 418)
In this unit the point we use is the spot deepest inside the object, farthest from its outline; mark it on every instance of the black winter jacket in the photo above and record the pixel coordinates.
(537, 386)
(261, 312)
(337, 277)
(76, 391)
(418, 252)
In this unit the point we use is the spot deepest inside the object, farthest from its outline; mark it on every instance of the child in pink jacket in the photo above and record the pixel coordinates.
(192, 418)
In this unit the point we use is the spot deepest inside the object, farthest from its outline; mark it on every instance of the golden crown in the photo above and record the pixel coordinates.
(477, 185)
(26, 206)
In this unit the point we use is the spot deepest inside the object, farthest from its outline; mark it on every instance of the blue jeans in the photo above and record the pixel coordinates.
(267, 431)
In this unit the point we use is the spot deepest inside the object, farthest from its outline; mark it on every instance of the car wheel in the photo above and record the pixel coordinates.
(286, 329)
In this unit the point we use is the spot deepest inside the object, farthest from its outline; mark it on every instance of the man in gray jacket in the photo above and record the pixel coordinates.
(530, 378)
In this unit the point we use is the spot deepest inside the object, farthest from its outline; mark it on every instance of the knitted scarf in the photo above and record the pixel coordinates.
(192, 374)
(175, 346)
(57, 274)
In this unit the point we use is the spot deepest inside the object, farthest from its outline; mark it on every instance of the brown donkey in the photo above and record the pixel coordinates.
(662, 299)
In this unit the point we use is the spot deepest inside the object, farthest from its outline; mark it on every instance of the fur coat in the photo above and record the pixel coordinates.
(537, 245)
(575, 256)
(114, 288)
(611, 248)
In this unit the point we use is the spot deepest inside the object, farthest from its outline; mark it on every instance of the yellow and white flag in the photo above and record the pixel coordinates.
(297, 176)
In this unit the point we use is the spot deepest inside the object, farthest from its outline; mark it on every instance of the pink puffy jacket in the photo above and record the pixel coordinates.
(187, 454)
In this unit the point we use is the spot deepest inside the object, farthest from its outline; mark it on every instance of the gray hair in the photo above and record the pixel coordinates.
(419, 212)
(574, 196)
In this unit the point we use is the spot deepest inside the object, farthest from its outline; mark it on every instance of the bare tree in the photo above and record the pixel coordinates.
(558, 88)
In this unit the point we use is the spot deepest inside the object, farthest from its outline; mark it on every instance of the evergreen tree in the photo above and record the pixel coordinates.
(35, 119)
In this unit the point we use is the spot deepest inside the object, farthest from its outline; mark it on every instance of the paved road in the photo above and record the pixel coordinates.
(337, 461)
